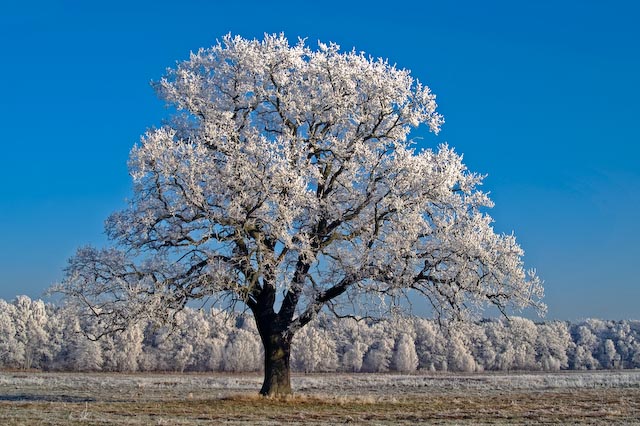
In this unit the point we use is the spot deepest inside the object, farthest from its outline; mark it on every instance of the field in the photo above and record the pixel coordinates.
(325, 399)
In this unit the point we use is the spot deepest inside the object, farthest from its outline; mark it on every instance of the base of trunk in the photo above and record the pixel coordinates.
(275, 389)
(277, 371)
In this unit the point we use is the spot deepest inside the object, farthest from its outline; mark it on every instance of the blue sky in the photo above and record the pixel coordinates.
(543, 96)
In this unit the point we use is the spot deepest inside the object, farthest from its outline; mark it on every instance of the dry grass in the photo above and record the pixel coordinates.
(57, 399)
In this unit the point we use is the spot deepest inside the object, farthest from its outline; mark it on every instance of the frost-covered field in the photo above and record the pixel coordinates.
(184, 399)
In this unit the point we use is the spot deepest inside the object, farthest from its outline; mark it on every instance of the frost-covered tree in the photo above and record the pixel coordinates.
(242, 352)
(57, 322)
(610, 357)
(11, 350)
(219, 331)
(352, 356)
(586, 345)
(82, 354)
(634, 355)
(626, 342)
(351, 338)
(523, 334)
(498, 335)
(553, 345)
(125, 350)
(174, 346)
(378, 357)
(459, 353)
(197, 333)
(405, 358)
(30, 321)
(430, 346)
(287, 181)
(478, 345)
(314, 350)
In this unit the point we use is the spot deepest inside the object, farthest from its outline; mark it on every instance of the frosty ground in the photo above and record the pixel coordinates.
(604, 397)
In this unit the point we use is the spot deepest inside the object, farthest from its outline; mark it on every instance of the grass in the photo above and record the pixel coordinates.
(173, 399)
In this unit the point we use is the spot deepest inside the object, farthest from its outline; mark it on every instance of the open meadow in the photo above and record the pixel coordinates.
(604, 397)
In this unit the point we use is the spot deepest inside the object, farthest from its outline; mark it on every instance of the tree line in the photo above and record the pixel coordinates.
(36, 335)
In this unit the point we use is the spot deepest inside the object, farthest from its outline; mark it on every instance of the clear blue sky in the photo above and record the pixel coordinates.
(543, 96)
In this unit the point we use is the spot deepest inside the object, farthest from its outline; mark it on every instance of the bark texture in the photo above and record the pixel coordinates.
(277, 370)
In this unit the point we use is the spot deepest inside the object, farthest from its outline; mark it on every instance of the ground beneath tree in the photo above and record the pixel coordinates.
(322, 399)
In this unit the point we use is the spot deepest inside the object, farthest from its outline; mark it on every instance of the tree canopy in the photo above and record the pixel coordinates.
(287, 181)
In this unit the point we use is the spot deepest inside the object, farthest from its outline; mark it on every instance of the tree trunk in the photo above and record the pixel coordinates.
(277, 377)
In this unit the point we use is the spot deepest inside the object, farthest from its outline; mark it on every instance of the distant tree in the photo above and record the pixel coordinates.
(214, 353)
(177, 344)
(30, 321)
(405, 358)
(242, 352)
(182, 358)
(196, 331)
(586, 344)
(352, 340)
(287, 182)
(553, 345)
(610, 358)
(498, 335)
(378, 358)
(219, 332)
(353, 356)
(82, 354)
(128, 348)
(57, 322)
(314, 350)
(479, 345)
(11, 350)
(626, 336)
(523, 333)
(634, 355)
(430, 346)
(459, 356)
(148, 359)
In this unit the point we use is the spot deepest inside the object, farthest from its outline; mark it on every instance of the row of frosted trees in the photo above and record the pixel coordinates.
(35, 335)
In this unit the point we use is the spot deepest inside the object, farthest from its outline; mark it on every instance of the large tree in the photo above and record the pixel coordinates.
(286, 181)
